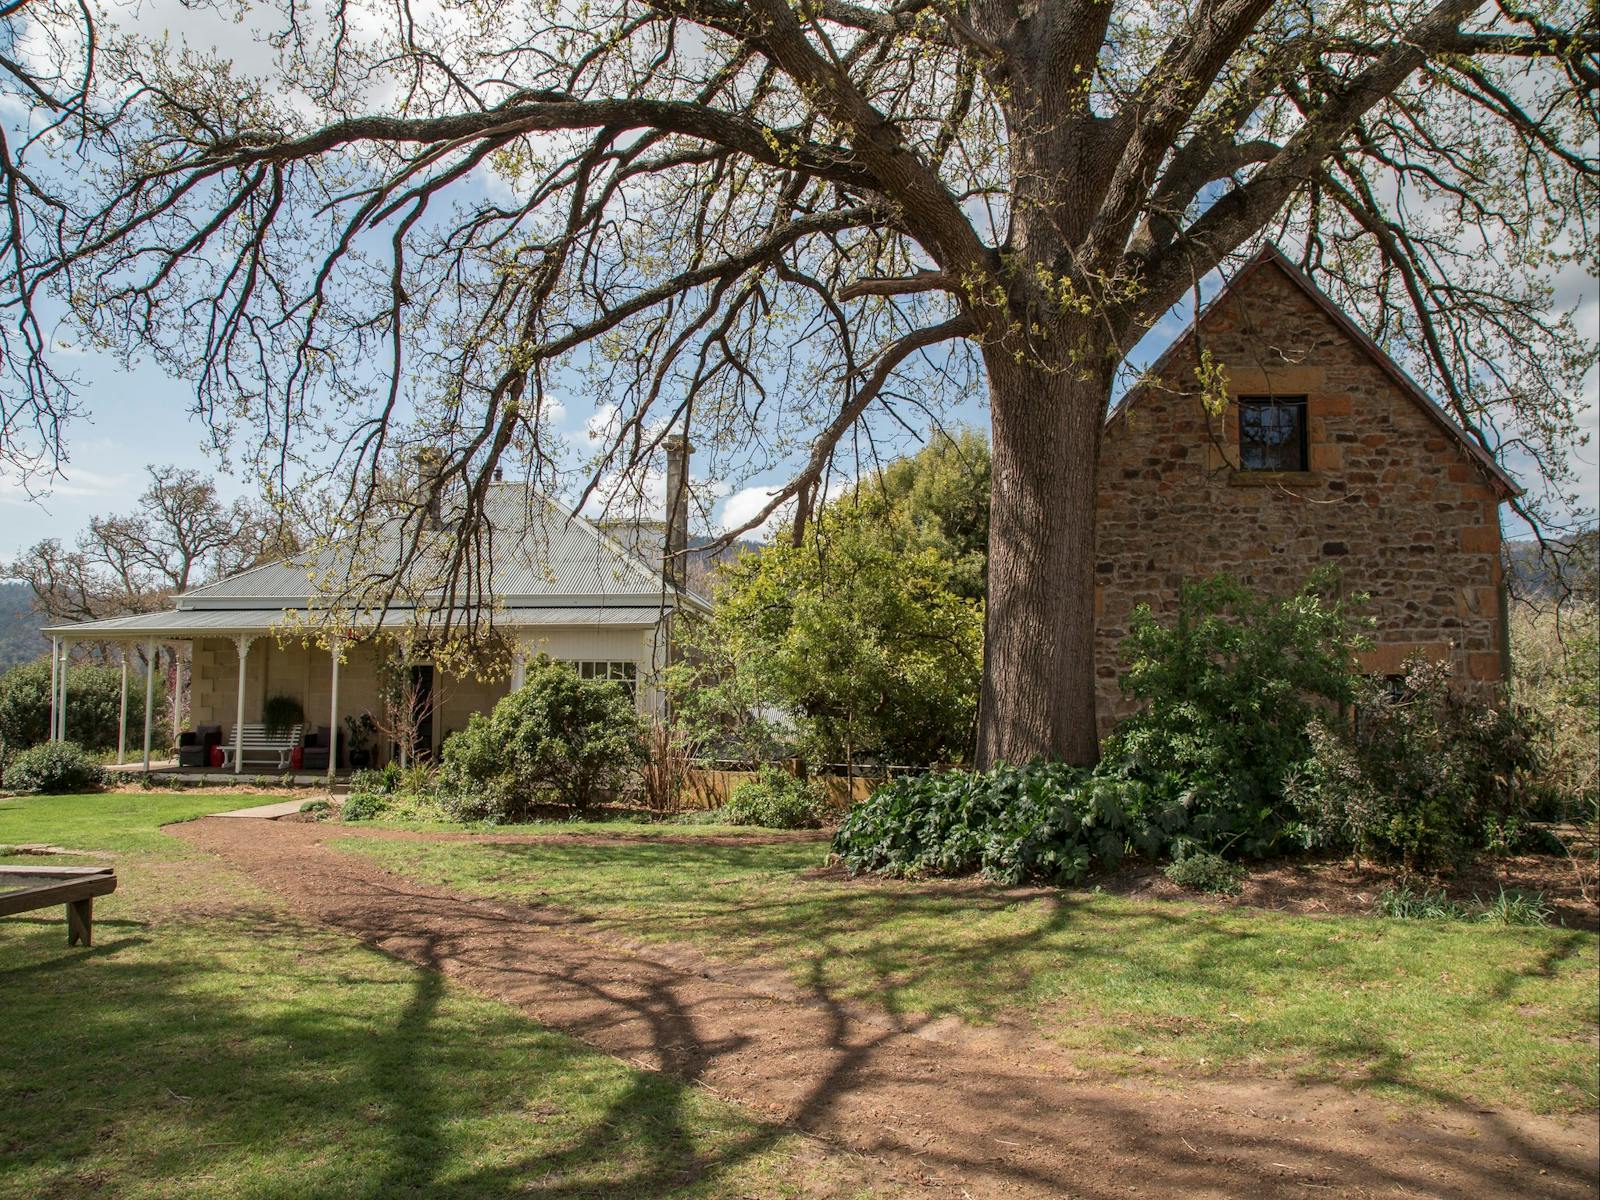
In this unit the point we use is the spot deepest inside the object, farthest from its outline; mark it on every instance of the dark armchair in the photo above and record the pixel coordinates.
(314, 749)
(194, 745)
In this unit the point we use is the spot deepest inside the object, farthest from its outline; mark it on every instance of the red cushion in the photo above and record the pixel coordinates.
(297, 758)
(216, 756)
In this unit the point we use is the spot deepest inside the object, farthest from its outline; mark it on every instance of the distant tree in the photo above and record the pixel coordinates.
(19, 625)
(937, 499)
(180, 534)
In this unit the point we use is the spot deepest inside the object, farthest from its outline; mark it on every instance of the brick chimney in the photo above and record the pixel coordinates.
(674, 561)
(430, 466)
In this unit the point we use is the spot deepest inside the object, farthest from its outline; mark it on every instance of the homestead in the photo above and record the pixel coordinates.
(1316, 449)
(556, 585)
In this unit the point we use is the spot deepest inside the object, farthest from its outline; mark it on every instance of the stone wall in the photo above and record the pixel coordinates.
(1390, 496)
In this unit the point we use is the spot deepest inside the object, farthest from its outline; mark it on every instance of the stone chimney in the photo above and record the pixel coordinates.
(675, 563)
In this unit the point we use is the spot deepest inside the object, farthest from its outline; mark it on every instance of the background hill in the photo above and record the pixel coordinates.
(19, 626)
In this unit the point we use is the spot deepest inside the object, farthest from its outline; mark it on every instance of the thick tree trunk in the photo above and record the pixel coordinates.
(1039, 671)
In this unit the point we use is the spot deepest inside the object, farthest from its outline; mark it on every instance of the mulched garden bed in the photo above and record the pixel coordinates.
(1312, 886)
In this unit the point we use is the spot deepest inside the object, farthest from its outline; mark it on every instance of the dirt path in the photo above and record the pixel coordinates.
(958, 1118)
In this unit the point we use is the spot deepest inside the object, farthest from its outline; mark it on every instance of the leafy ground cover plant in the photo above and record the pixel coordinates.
(54, 768)
(1203, 871)
(775, 799)
(1043, 821)
(1507, 907)
(392, 791)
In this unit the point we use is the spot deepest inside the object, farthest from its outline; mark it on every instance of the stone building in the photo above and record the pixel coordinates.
(1324, 452)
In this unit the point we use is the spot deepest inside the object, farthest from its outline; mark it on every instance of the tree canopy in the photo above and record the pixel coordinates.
(178, 535)
(790, 228)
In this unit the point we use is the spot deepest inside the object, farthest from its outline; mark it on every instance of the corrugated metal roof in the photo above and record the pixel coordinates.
(203, 622)
(531, 549)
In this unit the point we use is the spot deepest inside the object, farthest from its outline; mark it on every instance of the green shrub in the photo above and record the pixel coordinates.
(1042, 821)
(558, 736)
(363, 806)
(54, 767)
(1425, 779)
(1203, 871)
(393, 791)
(1228, 689)
(776, 800)
(492, 802)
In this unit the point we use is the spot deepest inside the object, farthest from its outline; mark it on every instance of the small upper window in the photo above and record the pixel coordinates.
(1272, 433)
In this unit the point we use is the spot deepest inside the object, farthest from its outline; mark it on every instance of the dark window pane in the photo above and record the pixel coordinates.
(1272, 433)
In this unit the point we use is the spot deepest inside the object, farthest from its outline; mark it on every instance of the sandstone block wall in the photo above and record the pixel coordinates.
(1389, 495)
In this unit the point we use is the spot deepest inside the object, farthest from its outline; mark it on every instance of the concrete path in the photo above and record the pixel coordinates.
(266, 812)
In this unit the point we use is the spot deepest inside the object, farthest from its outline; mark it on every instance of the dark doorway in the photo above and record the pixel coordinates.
(422, 692)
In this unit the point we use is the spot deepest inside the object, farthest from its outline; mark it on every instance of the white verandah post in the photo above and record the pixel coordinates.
(333, 711)
(177, 691)
(66, 657)
(149, 697)
(122, 712)
(55, 684)
(243, 643)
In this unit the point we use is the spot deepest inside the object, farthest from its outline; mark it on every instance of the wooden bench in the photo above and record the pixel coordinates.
(257, 745)
(23, 889)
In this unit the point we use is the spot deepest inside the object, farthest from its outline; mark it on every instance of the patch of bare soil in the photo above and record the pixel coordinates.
(1314, 887)
(941, 1115)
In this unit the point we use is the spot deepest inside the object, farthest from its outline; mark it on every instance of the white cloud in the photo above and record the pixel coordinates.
(745, 504)
(73, 482)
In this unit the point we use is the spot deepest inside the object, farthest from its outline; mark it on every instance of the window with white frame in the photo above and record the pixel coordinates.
(625, 673)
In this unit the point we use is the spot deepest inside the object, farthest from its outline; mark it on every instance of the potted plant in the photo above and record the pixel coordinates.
(281, 714)
(359, 732)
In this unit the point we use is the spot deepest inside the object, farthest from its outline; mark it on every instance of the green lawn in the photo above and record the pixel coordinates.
(212, 1045)
(1433, 1012)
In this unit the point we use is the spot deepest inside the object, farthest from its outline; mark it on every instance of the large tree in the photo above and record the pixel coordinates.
(178, 534)
(775, 223)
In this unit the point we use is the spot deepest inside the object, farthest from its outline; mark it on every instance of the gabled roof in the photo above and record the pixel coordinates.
(535, 555)
(1270, 255)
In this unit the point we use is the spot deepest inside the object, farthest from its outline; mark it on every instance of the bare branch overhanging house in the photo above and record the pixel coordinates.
(1316, 447)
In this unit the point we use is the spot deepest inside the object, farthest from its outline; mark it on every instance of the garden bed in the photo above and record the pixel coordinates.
(1310, 886)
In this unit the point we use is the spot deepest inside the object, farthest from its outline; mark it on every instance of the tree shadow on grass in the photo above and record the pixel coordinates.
(921, 951)
(205, 1063)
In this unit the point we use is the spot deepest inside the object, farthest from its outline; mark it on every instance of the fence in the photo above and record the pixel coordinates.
(710, 785)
